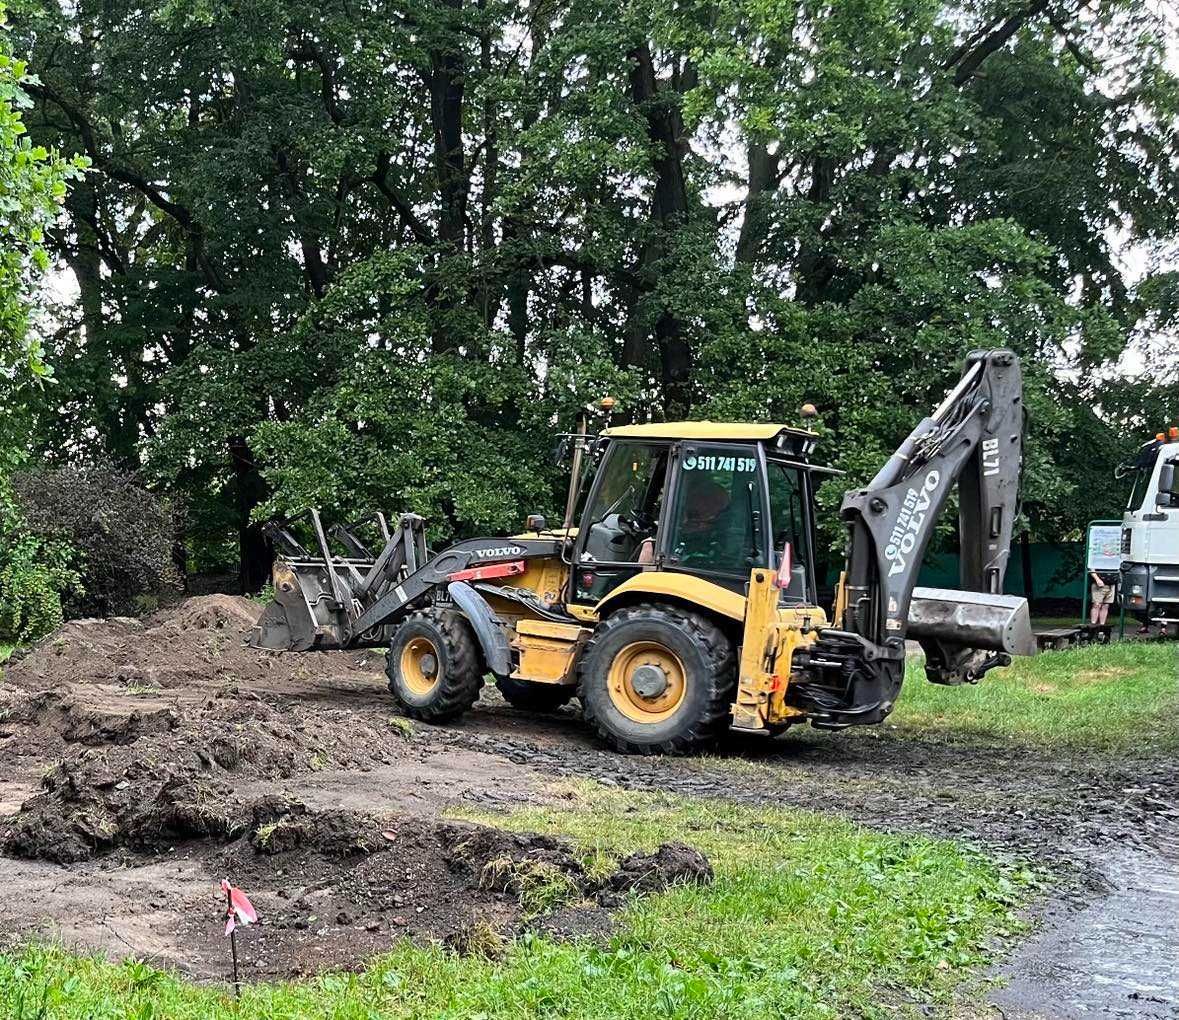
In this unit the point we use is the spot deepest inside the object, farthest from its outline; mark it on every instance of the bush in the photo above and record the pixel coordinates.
(33, 575)
(122, 534)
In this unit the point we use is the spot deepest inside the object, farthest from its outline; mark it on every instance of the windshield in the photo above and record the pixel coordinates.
(716, 524)
(1142, 471)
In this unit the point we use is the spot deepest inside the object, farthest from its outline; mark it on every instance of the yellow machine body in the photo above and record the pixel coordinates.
(769, 633)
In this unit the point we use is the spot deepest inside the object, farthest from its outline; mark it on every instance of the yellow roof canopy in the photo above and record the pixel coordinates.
(708, 430)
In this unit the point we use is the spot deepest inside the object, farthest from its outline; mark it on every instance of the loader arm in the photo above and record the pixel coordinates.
(973, 440)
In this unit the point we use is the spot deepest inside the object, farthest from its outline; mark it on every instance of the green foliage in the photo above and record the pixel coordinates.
(32, 190)
(809, 916)
(385, 265)
(120, 535)
(34, 575)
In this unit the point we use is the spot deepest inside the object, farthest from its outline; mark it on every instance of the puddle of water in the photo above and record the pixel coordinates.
(1116, 957)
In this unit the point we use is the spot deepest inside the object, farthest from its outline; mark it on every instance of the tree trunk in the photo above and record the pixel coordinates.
(763, 178)
(255, 554)
(669, 211)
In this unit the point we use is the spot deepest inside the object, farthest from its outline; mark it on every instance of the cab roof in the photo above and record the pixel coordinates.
(711, 430)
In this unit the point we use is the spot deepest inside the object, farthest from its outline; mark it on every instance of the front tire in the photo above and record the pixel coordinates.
(433, 666)
(658, 679)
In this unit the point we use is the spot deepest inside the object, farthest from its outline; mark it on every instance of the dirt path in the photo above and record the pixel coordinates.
(141, 762)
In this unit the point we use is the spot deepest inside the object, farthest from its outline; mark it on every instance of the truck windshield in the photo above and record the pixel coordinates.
(1140, 477)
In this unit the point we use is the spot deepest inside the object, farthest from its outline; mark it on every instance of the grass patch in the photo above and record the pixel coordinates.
(1119, 697)
(402, 725)
(808, 917)
(6, 650)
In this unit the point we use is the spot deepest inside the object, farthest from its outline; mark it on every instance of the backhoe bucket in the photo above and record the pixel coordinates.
(998, 623)
(966, 633)
(302, 616)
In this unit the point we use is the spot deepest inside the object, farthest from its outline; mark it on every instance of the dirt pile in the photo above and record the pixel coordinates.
(670, 864)
(200, 640)
(468, 885)
(145, 780)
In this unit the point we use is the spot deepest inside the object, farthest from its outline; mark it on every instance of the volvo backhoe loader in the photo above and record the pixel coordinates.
(679, 595)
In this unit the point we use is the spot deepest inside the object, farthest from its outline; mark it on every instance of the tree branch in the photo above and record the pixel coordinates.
(125, 175)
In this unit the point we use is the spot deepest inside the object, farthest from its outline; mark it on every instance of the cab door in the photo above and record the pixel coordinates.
(717, 527)
(620, 527)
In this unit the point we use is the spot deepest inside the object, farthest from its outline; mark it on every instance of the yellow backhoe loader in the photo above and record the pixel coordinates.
(679, 595)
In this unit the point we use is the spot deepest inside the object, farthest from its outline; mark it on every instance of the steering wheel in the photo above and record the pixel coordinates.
(636, 524)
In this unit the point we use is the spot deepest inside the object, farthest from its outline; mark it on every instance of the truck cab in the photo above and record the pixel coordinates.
(1150, 534)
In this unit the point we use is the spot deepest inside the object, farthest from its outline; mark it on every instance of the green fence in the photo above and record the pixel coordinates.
(1057, 570)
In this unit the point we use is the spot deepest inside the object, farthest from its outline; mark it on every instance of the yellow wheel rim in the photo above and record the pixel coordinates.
(421, 665)
(647, 682)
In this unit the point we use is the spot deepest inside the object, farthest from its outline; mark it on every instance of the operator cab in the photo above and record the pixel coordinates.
(710, 500)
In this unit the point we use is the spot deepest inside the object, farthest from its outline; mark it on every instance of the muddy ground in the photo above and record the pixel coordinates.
(141, 761)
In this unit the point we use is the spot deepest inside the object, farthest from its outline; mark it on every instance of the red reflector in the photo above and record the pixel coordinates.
(488, 571)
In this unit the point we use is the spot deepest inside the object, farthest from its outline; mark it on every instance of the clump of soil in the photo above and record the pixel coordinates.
(671, 864)
(199, 640)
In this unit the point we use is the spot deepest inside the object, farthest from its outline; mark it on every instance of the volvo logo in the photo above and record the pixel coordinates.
(903, 537)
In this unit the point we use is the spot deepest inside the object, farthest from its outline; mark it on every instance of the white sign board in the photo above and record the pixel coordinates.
(1105, 547)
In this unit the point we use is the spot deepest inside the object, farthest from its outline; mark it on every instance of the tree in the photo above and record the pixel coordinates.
(32, 189)
(378, 255)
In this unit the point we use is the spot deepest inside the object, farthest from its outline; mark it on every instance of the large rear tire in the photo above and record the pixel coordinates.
(534, 697)
(433, 666)
(658, 679)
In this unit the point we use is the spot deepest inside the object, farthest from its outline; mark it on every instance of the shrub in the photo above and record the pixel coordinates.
(33, 575)
(123, 535)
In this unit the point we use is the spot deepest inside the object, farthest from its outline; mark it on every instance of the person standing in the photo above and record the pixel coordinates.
(1101, 596)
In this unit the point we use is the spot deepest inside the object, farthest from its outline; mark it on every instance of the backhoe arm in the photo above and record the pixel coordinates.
(973, 440)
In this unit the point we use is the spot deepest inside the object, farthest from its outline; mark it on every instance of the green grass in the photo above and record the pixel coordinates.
(808, 917)
(6, 650)
(1120, 697)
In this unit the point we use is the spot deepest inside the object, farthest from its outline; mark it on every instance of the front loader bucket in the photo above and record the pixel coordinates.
(302, 616)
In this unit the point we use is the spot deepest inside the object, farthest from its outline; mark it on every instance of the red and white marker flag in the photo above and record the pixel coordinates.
(238, 908)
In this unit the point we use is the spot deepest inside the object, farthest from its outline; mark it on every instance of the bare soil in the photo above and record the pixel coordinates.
(143, 760)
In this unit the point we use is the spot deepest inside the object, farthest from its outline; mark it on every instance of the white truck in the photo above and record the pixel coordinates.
(1150, 534)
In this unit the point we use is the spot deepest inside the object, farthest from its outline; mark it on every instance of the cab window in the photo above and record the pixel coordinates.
(789, 524)
(625, 507)
(716, 526)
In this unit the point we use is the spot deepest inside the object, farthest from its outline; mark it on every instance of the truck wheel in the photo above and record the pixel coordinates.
(657, 679)
(433, 666)
(534, 697)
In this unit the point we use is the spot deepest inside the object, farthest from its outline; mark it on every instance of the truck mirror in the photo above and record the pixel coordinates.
(1167, 479)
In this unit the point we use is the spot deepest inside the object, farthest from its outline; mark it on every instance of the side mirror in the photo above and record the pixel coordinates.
(561, 450)
(1167, 479)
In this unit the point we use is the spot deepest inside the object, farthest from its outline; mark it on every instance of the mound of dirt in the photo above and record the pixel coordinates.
(147, 779)
(670, 864)
(467, 885)
(196, 641)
